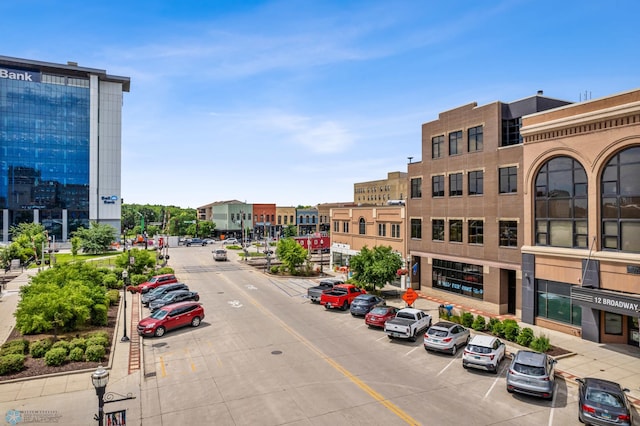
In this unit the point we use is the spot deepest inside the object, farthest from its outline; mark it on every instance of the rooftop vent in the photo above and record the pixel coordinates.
(71, 63)
(540, 92)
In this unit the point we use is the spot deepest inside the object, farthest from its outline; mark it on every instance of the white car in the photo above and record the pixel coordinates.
(219, 254)
(230, 241)
(484, 352)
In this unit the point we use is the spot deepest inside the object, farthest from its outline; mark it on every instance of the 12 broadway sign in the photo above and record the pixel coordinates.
(606, 300)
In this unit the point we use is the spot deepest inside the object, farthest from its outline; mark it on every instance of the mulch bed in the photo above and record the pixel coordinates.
(36, 366)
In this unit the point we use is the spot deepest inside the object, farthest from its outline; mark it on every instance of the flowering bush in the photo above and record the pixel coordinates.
(402, 271)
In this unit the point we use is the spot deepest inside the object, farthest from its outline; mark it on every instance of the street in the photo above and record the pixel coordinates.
(265, 355)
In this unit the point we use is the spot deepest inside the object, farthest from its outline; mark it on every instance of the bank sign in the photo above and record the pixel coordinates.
(23, 75)
(605, 300)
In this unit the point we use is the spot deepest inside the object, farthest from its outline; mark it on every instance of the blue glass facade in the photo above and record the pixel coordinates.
(44, 150)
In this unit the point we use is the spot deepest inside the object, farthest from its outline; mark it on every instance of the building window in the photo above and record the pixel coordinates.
(553, 301)
(362, 226)
(620, 198)
(508, 233)
(416, 228)
(561, 204)
(508, 179)
(437, 147)
(474, 139)
(455, 231)
(612, 323)
(476, 231)
(437, 229)
(458, 277)
(336, 226)
(416, 188)
(455, 184)
(345, 227)
(437, 184)
(455, 143)
(395, 230)
(511, 132)
(382, 229)
(476, 182)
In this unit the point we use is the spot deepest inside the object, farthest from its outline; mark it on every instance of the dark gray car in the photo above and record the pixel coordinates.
(173, 297)
(603, 402)
(161, 291)
(362, 304)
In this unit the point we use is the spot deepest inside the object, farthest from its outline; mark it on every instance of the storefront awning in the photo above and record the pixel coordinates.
(606, 300)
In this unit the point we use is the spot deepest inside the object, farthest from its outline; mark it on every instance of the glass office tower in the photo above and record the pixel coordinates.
(60, 136)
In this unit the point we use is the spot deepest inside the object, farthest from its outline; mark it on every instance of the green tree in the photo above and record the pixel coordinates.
(28, 240)
(374, 268)
(142, 261)
(291, 254)
(290, 231)
(96, 239)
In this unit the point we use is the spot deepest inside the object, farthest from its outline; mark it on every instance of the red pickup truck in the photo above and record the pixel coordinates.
(340, 296)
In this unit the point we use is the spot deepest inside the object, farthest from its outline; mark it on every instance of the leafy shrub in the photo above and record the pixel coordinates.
(62, 344)
(97, 339)
(76, 354)
(275, 269)
(165, 270)
(455, 318)
(540, 344)
(479, 324)
(136, 279)
(511, 330)
(466, 319)
(11, 363)
(55, 356)
(492, 322)
(498, 328)
(111, 281)
(525, 337)
(95, 353)
(101, 334)
(78, 342)
(40, 347)
(99, 314)
(19, 346)
(113, 296)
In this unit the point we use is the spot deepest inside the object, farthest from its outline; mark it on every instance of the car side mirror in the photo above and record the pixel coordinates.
(579, 380)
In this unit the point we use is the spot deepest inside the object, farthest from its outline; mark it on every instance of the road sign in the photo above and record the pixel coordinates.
(410, 296)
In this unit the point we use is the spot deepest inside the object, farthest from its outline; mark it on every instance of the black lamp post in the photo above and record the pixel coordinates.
(125, 279)
(100, 378)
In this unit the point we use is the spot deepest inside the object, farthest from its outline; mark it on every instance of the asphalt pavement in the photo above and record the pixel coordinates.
(70, 398)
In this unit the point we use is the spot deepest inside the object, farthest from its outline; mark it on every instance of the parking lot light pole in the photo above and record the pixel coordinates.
(125, 279)
(100, 378)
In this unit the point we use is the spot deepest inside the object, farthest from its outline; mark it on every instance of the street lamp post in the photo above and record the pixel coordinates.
(125, 278)
(100, 378)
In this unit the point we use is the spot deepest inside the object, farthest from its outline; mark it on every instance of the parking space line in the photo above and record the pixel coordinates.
(412, 350)
(447, 366)
(553, 404)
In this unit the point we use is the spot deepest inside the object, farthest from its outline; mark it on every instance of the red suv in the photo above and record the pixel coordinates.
(153, 282)
(170, 317)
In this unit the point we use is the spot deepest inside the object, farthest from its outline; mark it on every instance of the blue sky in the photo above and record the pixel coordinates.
(292, 102)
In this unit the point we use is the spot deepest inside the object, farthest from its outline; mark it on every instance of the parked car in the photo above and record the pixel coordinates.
(155, 281)
(484, 352)
(314, 293)
(531, 373)
(194, 242)
(228, 241)
(173, 297)
(219, 254)
(210, 240)
(407, 324)
(362, 304)
(447, 337)
(603, 402)
(158, 292)
(340, 296)
(171, 317)
(379, 315)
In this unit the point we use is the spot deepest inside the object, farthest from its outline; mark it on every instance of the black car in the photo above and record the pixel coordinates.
(158, 292)
(173, 297)
(194, 242)
(602, 402)
(363, 303)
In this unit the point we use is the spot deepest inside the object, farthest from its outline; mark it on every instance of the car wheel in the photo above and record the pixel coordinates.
(326, 307)
(189, 245)
(465, 366)
(454, 349)
(196, 298)
(345, 306)
(390, 337)
(195, 321)
(509, 390)
(159, 332)
(413, 337)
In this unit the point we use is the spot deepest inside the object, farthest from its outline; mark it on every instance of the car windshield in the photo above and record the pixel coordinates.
(157, 290)
(158, 314)
(479, 349)
(379, 311)
(168, 296)
(529, 370)
(437, 333)
(153, 279)
(605, 398)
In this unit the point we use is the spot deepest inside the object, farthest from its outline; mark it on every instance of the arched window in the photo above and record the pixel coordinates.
(620, 198)
(362, 227)
(561, 204)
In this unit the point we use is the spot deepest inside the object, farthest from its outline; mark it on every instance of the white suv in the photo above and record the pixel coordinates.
(484, 352)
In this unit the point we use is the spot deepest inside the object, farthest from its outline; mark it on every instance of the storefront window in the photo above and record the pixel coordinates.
(457, 277)
(612, 323)
(553, 301)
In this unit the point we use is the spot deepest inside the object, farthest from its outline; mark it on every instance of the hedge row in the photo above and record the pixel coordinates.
(92, 347)
(507, 329)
